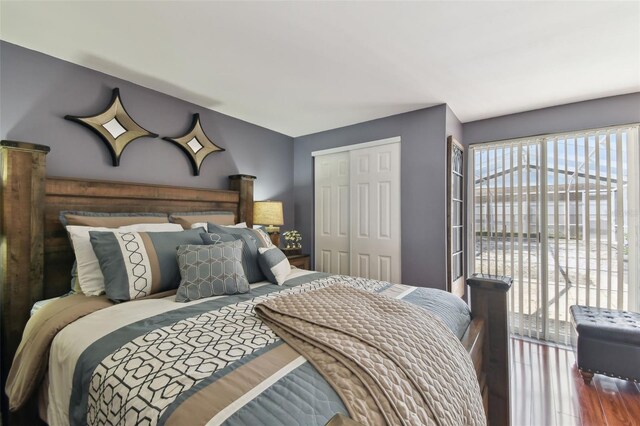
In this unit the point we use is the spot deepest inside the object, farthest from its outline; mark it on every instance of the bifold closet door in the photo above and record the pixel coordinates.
(332, 213)
(375, 212)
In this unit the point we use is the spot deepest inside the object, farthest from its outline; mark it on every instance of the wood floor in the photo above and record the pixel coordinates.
(547, 390)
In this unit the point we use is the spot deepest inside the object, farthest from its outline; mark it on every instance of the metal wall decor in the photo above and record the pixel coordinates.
(114, 126)
(195, 144)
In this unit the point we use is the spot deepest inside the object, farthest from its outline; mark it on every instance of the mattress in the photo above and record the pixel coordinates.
(160, 362)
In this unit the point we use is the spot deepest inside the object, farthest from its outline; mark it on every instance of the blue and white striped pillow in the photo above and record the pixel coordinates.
(138, 264)
(274, 264)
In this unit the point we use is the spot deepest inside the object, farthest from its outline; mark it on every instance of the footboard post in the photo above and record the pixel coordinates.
(489, 301)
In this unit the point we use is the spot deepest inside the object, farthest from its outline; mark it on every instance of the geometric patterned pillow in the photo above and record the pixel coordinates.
(211, 270)
(138, 264)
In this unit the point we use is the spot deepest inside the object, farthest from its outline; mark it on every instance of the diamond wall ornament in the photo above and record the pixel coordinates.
(195, 144)
(114, 126)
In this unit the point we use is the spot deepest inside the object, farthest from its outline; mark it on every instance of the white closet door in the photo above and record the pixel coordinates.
(332, 213)
(375, 212)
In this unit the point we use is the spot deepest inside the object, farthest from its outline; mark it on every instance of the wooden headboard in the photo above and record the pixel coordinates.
(35, 254)
(101, 196)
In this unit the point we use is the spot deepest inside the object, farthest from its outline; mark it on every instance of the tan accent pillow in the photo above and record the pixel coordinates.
(188, 219)
(113, 220)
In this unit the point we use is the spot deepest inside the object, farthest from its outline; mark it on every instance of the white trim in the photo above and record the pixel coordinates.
(633, 210)
(470, 207)
(406, 293)
(395, 139)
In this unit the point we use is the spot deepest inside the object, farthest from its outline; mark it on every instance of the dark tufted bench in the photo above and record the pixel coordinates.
(606, 342)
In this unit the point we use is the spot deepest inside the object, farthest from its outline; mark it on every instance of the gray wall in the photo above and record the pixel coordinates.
(423, 185)
(454, 126)
(603, 112)
(37, 91)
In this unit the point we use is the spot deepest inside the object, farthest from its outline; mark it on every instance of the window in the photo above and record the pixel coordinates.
(560, 215)
(455, 217)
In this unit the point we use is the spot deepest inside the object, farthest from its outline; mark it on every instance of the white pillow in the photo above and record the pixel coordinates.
(237, 225)
(90, 276)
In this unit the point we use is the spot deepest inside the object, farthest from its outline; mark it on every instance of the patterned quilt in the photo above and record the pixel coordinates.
(210, 361)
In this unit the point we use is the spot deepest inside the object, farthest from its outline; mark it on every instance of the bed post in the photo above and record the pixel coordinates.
(489, 302)
(22, 168)
(244, 185)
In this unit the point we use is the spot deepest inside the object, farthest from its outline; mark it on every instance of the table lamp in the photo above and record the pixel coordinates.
(269, 213)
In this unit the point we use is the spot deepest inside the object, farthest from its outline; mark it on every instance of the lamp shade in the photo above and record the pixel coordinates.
(268, 213)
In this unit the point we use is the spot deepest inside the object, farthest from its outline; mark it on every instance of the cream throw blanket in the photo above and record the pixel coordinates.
(391, 362)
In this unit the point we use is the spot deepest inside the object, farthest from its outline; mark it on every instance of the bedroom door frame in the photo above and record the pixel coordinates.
(349, 149)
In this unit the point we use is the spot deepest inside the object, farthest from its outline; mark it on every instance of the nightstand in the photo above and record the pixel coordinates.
(299, 260)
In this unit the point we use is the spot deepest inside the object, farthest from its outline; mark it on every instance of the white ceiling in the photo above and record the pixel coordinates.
(303, 67)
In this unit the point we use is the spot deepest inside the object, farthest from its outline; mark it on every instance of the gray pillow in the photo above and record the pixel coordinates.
(215, 238)
(251, 242)
(211, 270)
(137, 264)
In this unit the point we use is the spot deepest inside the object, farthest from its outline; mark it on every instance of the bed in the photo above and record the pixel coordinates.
(481, 328)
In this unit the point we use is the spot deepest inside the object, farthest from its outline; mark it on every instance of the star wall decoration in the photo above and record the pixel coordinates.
(114, 126)
(195, 144)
